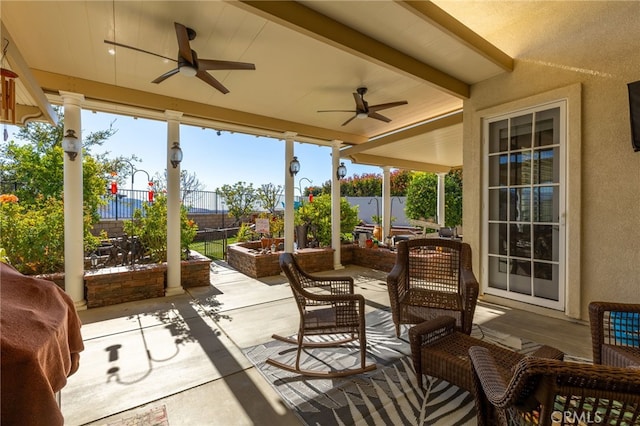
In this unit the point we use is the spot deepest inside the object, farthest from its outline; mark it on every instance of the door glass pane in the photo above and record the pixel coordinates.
(521, 128)
(498, 272)
(498, 238)
(520, 241)
(498, 170)
(545, 247)
(520, 168)
(545, 282)
(498, 204)
(546, 166)
(547, 127)
(498, 136)
(520, 276)
(520, 208)
(546, 204)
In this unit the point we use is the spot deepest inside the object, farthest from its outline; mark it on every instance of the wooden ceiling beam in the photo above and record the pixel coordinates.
(305, 20)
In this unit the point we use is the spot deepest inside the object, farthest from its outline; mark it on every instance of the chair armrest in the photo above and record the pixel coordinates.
(397, 286)
(597, 312)
(487, 375)
(470, 290)
(338, 285)
(548, 352)
(333, 297)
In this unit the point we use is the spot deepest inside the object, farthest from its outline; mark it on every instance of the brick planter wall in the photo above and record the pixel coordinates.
(195, 272)
(245, 258)
(110, 286)
(381, 259)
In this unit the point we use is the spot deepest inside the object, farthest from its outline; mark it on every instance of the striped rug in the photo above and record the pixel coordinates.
(387, 395)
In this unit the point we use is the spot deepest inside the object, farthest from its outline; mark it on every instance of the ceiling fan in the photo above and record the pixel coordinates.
(364, 110)
(188, 62)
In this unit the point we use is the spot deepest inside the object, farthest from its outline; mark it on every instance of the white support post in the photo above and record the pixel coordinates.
(335, 204)
(174, 279)
(386, 202)
(73, 201)
(441, 195)
(289, 184)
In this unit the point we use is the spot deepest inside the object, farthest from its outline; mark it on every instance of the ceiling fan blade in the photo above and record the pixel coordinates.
(204, 76)
(349, 120)
(379, 117)
(380, 107)
(212, 64)
(138, 50)
(166, 75)
(183, 42)
(337, 110)
(360, 105)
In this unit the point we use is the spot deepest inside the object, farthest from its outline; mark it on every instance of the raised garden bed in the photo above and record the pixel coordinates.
(110, 286)
(249, 258)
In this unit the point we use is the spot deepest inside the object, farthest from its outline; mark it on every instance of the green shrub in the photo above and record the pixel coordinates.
(318, 215)
(149, 224)
(33, 236)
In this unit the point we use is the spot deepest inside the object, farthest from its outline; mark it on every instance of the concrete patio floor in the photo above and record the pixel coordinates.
(185, 352)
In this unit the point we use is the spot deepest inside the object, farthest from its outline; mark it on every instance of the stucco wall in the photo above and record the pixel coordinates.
(606, 207)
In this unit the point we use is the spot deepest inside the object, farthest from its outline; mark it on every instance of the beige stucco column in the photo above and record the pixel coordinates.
(386, 203)
(73, 200)
(289, 184)
(335, 204)
(174, 283)
(441, 195)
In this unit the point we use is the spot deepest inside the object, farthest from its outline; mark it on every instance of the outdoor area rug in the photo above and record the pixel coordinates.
(387, 395)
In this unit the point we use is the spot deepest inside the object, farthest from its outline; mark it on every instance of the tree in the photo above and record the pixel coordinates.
(240, 198)
(422, 197)
(370, 185)
(268, 195)
(190, 185)
(35, 167)
(32, 218)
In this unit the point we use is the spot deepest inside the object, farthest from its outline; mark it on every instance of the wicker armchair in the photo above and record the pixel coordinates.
(615, 333)
(546, 392)
(327, 307)
(432, 277)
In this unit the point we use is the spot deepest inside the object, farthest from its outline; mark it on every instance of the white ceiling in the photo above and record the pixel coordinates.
(309, 56)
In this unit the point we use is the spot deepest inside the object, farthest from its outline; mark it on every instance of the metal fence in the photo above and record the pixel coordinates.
(213, 243)
(126, 201)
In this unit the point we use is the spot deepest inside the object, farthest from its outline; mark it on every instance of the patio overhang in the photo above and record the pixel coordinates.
(309, 56)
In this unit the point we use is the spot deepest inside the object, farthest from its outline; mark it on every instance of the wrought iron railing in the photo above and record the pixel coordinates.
(126, 201)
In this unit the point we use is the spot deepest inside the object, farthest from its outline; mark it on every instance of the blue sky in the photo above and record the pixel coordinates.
(216, 160)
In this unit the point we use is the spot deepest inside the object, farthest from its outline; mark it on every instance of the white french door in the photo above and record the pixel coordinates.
(525, 205)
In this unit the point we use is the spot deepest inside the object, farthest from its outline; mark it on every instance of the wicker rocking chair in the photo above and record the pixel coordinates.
(432, 277)
(327, 307)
